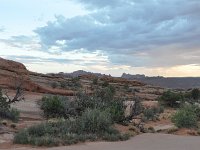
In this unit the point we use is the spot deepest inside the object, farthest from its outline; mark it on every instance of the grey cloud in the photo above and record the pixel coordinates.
(32, 60)
(22, 41)
(126, 27)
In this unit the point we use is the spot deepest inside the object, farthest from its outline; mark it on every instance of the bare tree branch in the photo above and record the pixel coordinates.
(19, 94)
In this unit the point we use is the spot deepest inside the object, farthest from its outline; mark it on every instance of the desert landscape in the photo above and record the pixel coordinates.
(99, 74)
(147, 110)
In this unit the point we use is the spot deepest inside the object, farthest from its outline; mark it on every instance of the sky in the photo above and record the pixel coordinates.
(151, 37)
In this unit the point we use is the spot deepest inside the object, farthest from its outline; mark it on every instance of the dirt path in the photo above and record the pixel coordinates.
(141, 142)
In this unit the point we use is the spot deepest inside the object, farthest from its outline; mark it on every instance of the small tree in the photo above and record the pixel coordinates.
(6, 101)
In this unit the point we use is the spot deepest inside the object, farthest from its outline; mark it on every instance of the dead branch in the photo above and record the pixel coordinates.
(19, 94)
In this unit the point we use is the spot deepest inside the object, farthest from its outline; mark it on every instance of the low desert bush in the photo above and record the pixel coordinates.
(93, 124)
(11, 114)
(54, 85)
(6, 112)
(185, 117)
(104, 100)
(94, 121)
(171, 99)
(95, 81)
(57, 107)
(153, 113)
(63, 84)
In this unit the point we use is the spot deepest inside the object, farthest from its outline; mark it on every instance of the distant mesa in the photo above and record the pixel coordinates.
(77, 73)
(170, 82)
(131, 77)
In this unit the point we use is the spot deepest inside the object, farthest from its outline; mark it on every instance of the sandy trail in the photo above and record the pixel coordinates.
(141, 142)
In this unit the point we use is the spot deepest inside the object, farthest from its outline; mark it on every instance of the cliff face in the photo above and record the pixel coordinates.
(11, 73)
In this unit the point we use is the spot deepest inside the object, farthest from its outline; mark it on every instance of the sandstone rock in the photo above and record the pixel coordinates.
(11, 73)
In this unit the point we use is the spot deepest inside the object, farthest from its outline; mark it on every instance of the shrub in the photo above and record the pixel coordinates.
(95, 121)
(116, 110)
(76, 82)
(105, 84)
(196, 110)
(22, 137)
(171, 99)
(104, 100)
(57, 106)
(63, 84)
(54, 85)
(4, 105)
(185, 117)
(195, 94)
(95, 81)
(137, 107)
(126, 87)
(52, 106)
(44, 141)
(94, 124)
(152, 113)
(12, 114)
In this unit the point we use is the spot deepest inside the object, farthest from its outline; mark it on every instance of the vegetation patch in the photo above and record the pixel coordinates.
(5, 111)
(185, 117)
(92, 125)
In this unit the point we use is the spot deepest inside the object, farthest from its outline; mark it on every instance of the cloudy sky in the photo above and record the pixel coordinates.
(152, 37)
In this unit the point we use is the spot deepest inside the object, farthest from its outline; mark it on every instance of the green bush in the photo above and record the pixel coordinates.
(76, 82)
(195, 94)
(171, 99)
(153, 113)
(53, 107)
(185, 117)
(116, 110)
(95, 121)
(57, 107)
(105, 83)
(95, 81)
(104, 100)
(137, 107)
(63, 84)
(94, 124)
(54, 85)
(11, 114)
(22, 137)
(149, 114)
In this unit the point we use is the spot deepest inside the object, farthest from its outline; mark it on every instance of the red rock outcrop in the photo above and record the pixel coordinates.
(12, 72)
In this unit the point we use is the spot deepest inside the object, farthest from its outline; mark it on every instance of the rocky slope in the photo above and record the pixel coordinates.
(13, 73)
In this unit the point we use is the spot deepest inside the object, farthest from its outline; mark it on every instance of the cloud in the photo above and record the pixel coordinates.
(131, 32)
(23, 42)
(2, 29)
